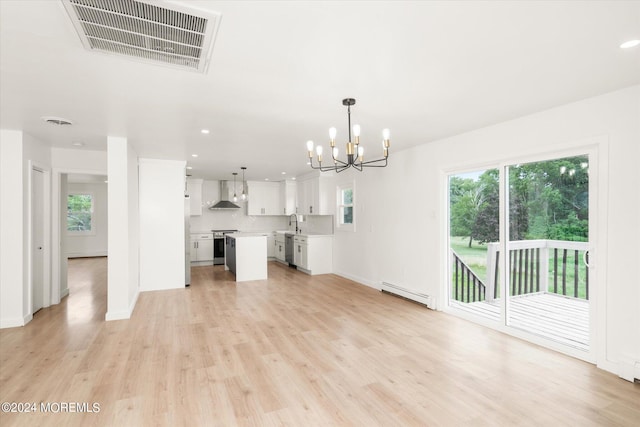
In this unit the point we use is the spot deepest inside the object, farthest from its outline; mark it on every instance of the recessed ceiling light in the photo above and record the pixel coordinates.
(283, 173)
(266, 179)
(205, 131)
(194, 155)
(308, 163)
(77, 144)
(106, 182)
(293, 179)
(189, 167)
(630, 43)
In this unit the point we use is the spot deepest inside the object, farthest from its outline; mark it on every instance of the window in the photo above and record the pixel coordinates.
(80, 213)
(346, 207)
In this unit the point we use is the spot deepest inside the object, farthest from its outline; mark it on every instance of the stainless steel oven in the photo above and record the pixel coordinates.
(218, 245)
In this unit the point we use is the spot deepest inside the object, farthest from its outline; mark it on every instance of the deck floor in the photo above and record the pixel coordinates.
(555, 317)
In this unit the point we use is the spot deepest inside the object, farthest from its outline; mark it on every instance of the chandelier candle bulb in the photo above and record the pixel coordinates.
(356, 134)
(332, 136)
(360, 153)
(310, 148)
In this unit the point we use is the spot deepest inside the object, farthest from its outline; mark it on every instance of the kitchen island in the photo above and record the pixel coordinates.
(246, 256)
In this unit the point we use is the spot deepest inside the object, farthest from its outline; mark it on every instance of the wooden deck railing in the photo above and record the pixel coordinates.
(552, 266)
(467, 287)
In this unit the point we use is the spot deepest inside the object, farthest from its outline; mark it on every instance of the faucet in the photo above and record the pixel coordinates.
(296, 218)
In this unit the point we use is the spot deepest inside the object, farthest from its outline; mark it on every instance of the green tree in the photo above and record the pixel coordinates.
(466, 199)
(79, 212)
(555, 194)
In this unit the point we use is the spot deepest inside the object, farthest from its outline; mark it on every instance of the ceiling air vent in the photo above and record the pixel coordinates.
(57, 121)
(179, 37)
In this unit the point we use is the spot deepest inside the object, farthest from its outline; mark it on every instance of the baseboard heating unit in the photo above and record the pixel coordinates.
(406, 293)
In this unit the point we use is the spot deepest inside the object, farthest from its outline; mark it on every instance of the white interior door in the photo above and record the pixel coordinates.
(37, 239)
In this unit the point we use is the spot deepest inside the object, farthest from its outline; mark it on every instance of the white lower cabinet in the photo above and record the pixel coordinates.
(279, 247)
(313, 254)
(271, 245)
(202, 247)
(300, 248)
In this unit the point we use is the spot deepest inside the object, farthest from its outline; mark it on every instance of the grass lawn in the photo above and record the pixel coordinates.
(475, 256)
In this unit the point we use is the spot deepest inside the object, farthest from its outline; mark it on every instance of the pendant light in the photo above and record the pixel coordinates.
(244, 194)
(235, 197)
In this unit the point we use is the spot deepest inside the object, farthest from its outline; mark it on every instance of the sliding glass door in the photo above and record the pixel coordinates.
(548, 284)
(473, 241)
(543, 246)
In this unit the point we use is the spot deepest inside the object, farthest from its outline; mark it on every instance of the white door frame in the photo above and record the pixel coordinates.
(46, 238)
(597, 149)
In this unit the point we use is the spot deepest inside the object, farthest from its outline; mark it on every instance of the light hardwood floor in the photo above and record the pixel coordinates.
(294, 350)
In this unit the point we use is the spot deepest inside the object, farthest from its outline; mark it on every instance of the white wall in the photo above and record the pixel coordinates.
(162, 238)
(94, 244)
(401, 209)
(123, 240)
(79, 161)
(18, 153)
(133, 226)
(12, 279)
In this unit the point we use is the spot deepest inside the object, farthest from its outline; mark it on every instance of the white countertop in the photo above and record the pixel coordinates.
(305, 234)
(247, 234)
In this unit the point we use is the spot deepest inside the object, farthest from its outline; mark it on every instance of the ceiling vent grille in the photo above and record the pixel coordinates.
(146, 31)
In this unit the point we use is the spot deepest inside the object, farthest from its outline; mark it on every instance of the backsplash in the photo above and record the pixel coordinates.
(322, 224)
(237, 219)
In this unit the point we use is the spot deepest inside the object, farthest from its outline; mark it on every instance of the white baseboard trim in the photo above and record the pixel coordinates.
(123, 315)
(28, 318)
(628, 368)
(13, 322)
(425, 299)
(359, 280)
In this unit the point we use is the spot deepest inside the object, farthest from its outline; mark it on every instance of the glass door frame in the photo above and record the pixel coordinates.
(596, 150)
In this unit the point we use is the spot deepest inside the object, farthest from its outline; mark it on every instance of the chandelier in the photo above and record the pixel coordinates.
(355, 152)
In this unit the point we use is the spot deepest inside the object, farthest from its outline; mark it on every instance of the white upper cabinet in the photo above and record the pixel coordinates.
(288, 197)
(194, 190)
(264, 198)
(315, 196)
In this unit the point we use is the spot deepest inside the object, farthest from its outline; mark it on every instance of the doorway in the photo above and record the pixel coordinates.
(530, 220)
(80, 228)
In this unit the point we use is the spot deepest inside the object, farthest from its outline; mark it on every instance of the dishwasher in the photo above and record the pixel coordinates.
(288, 248)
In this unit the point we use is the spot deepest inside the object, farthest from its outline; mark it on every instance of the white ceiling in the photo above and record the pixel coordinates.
(279, 71)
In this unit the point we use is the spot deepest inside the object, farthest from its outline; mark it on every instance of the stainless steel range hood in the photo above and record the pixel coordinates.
(224, 202)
